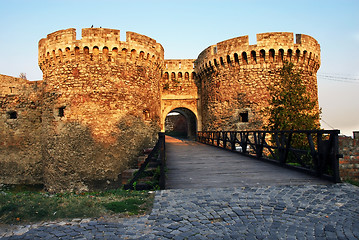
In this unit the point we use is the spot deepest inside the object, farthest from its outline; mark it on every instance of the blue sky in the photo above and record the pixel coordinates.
(185, 28)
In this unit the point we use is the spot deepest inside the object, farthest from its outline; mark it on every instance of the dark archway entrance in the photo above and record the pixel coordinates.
(181, 122)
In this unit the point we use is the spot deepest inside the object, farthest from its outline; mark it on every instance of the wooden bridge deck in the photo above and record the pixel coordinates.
(194, 165)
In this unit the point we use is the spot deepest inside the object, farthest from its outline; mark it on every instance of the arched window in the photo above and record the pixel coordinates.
(215, 62)
(60, 54)
(271, 55)
(193, 75)
(297, 55)
(236, 59)
(254, 56)
(95, 50)
(244, 58)
(77, 51)
(262, 55)
(179, 75)
(229, 60)
(114, 52)
(86, 50)
(221, 60)
(68, 54)
(290, 54)
(105, 51)
(305, 54)
(133, 54)
(173, 76)
(124, 53)
(310, 57)
(142, 54)
(186, 75)
(166, 76)
(281, 55)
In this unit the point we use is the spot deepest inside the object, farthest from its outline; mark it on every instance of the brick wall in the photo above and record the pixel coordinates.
(349, 164)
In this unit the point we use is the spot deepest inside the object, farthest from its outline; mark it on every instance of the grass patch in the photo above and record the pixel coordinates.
(27, 206)
(127, 205)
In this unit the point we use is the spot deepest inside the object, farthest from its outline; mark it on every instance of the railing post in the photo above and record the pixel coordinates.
(334, 156)
(162, 180)
(233, 140)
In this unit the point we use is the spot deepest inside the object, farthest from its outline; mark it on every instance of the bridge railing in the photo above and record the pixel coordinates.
(312, 151)
(159, 154)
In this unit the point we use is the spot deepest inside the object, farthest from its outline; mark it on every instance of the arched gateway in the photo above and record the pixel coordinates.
(181, 122)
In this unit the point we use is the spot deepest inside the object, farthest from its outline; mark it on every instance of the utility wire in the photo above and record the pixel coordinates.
(327, 123)
(339, 78)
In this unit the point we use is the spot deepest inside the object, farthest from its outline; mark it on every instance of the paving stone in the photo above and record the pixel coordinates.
(274, 212)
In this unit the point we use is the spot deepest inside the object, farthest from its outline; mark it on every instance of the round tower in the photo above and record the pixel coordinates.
(234, 77)
(101, 104)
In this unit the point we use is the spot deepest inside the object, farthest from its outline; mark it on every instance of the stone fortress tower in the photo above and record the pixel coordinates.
(234, 77)
(102, 100)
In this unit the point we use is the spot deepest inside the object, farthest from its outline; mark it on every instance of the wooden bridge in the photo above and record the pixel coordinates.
(192, 164)
(263, 158)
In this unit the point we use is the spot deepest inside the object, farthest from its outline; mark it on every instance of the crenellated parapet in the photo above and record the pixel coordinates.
(235, 77)
(271, 50)
(175, 69)
(99, 44)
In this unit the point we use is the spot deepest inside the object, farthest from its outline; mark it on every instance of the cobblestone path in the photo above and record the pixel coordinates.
(272, 212)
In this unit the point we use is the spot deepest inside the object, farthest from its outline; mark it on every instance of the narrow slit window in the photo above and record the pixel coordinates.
(254, 56)
(229, 60)
(243, 117)
(236, 59)
(61, 112)
(244, 58)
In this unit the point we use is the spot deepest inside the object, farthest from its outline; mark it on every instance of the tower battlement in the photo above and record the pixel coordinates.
(99, 44)
(271, 48)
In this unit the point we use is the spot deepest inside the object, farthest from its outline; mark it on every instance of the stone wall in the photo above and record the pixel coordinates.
(101, 107)
(179, 89)
(349, 164)
(177, 124)
(234, 77)
(20, 131)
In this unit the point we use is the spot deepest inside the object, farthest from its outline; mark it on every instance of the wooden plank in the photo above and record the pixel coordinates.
(194, 165)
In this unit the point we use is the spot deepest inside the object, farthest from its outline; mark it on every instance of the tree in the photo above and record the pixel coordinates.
(291, 107)
(23, 76)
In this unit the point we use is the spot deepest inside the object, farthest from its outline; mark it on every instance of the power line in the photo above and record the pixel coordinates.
(327, 123)
(339, 78)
